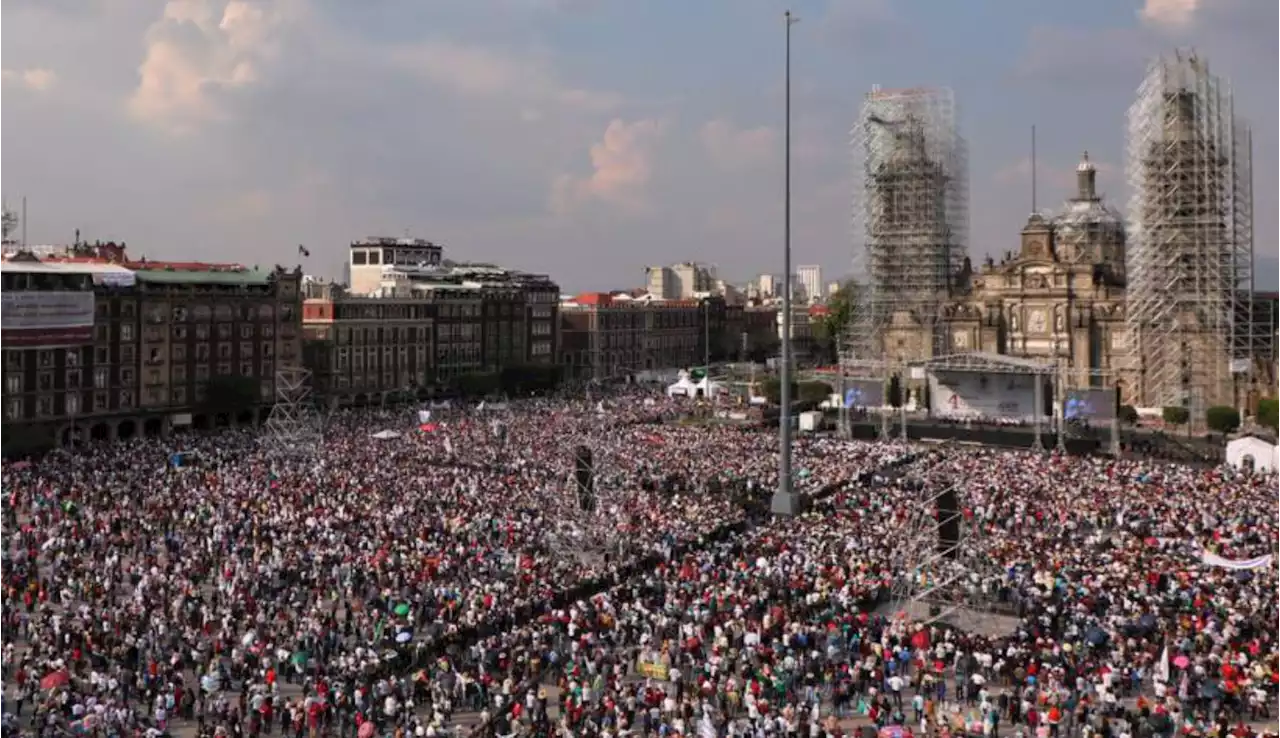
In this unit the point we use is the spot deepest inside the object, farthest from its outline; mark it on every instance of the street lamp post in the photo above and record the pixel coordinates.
(784, 499)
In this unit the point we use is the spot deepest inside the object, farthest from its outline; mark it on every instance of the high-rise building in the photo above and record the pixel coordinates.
(1190, 256)
(911, 212)
(768, 287)
(682, 281)
(811, 281)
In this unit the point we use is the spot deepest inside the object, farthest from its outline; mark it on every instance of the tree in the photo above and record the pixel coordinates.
(1175, 415)
(771, 390)
(895, 391)
(814, 391)
(840, 312)
(1269, 413)
(1222, 419)
(478, 384)
(1128, 414)
(524, 379)
(231, 393)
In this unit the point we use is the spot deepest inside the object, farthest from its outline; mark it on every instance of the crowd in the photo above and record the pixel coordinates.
(425, 584)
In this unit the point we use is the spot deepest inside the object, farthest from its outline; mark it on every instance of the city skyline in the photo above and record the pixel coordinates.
(548, 135)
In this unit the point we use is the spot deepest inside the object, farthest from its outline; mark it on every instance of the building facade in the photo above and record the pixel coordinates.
(421, 326)
(167, 346)
(810, 283)
(681, 281)
(605, 336)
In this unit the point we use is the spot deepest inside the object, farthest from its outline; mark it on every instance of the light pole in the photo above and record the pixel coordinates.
(784, 500)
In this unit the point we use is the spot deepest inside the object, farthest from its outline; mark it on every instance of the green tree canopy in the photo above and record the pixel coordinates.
(1175, 415)
(1222, 418)
(1267, 411)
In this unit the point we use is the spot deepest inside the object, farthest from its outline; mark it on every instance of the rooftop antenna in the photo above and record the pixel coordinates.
(24, 222)
(1033, 168)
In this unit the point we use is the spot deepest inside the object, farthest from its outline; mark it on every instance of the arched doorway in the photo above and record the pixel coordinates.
(221, 420)
(200, 422)
(126, 430)
(100, 432)
(153, 427)
(1248, 463)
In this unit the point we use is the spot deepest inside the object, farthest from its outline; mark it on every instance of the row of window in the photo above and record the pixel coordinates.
(46, 407)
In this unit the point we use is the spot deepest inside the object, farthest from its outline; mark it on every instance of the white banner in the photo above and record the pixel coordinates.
(1212, 559)
(34, 318)
(978, 395)
(424, 417)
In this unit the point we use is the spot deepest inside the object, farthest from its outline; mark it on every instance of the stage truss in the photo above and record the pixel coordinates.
(591, 535)
(294, 426)
(934, 581)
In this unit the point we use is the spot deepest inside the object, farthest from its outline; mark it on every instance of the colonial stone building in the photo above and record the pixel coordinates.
(1059, 299)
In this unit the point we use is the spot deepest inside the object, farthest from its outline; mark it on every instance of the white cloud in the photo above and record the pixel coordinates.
(738, 148)
(200, 48)
(34, 79)
(482, 72)
(623, 166)
(1175, 15)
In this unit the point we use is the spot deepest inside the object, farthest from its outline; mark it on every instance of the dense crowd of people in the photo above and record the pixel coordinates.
(444, 580)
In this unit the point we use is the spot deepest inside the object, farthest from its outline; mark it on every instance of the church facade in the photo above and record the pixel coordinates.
(1059, 299)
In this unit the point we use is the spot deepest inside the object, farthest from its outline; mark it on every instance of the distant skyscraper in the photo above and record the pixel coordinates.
(811, 281)
(768, 287)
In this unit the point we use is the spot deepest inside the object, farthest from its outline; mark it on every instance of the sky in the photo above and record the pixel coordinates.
(584, 139)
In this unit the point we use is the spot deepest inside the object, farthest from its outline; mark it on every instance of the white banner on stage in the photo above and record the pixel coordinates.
(424, 417)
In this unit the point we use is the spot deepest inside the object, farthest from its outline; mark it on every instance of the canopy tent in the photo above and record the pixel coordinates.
(682, 388)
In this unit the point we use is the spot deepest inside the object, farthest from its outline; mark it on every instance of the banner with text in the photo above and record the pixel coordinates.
(34, 318)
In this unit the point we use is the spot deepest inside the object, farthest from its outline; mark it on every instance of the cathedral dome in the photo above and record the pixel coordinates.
(1087, 229)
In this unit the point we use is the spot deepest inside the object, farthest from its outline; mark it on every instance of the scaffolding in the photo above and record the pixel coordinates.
(294, 426)
(1190, 252)
(910, 216)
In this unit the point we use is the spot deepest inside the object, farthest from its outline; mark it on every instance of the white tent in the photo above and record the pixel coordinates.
(682, 388)
(1252, 452)
(386, 435)
(709, 388)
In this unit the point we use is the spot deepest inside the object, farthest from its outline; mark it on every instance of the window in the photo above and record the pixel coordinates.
(266, 391)
(180, 333)
(102, 310)
(13, 360)
(246, 330)
(222, 312)
(268, 330)
(44, 405)
(12, 409)
(179, 373)
(224, 351)
(153, 377)
(73, 358)
(101, 377)
(128, 309)
(179, 395)
(266, 312)
(100, 402)
(72, 403)
(246, 350)
(126, 331)
(179, 352)
(202, 333)
(128, 355)
(156, 314)
(179, 313)
(202, 352)
(268, 367)
(224, 368)
(101, 333)
(45, 359)
(126, 375)
(224, 332)
(44, 381)
(246, 368)
(73, 379)
(268, 349)
(12, 384)
(202, 373)
(358, 258)
(201, 313)
(201, 392)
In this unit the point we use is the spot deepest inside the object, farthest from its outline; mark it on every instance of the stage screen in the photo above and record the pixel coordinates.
(864, 393)
(978, 395)
(1092, 404)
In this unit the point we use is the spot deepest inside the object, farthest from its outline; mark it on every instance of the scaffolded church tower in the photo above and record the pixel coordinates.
(910, 215)
(1190, 252)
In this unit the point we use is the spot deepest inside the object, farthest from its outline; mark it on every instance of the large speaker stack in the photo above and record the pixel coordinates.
(948, 523)
(584, 479)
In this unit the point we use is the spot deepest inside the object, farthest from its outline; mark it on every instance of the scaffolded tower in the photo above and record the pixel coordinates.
(293, 428)
(1190, 254)
(910, 214)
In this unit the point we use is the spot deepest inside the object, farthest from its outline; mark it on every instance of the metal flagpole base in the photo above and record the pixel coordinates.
(786, 503)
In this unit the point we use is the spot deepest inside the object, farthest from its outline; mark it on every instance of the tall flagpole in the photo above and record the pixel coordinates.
(784, 500)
